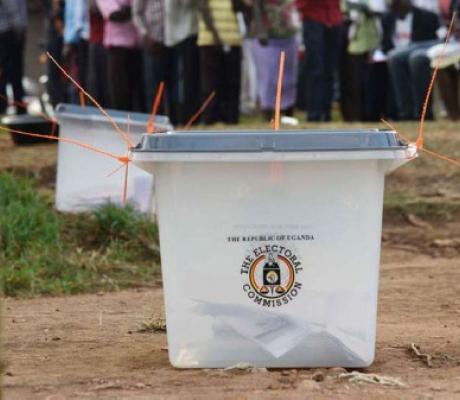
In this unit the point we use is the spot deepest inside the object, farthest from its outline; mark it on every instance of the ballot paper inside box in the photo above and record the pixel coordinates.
(83, 180)
(270, 243)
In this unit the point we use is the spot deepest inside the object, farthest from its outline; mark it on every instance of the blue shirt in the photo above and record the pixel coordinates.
(76, 21)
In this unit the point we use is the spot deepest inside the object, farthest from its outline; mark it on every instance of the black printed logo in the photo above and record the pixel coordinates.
(270, 274)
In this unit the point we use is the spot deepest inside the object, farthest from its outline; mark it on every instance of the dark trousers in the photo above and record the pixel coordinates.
(78, 69)
(97, 79)
(322, 48)
(380, 99)
(357, 68)
(188, 78)
(365, 89)
(221, 72)
(126, 81)
(56, 85)
(11, 67)
(448, 82)
(160, 66)
(410, 74)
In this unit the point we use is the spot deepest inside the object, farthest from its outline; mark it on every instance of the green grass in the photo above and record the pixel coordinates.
(398, 206)
(45, 252)
(155, 324)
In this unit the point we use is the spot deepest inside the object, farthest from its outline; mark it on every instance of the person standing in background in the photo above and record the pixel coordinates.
(275, 24)
(448, 57)
(248, 95)
(220, 57)
(321, 30)
(124, 55)
(159, 62)
(54, 45)
(76, 35)
(181, 34)
(13, 26)
(364, 37)
(97, 57)
(408, 33)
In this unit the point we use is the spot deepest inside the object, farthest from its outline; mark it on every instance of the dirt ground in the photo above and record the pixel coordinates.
(89, 346)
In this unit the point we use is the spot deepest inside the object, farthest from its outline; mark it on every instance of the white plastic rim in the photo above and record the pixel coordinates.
(148, 160)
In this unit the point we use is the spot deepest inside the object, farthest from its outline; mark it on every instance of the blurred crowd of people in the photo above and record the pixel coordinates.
(374, 57)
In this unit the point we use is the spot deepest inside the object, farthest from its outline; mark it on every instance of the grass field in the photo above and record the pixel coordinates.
(46, 252)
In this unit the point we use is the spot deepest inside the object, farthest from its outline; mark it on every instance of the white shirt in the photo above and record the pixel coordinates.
(430, 5)
(403, 31)
(379, 6)
(181, 20)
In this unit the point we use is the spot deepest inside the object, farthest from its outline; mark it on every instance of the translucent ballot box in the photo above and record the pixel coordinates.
(82, 176)
(270, 243)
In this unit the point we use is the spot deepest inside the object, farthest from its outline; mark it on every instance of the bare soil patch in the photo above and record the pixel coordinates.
(88, 346)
